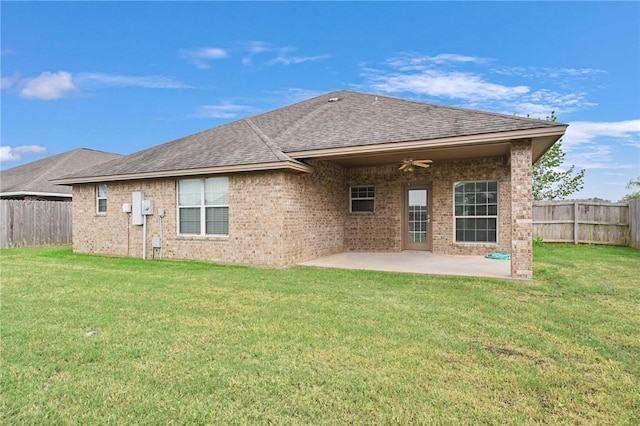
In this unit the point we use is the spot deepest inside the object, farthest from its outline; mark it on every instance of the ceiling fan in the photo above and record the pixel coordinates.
(409, 164)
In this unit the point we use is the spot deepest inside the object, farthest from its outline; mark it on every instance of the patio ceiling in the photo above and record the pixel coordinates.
(437, 151)
(435, 154)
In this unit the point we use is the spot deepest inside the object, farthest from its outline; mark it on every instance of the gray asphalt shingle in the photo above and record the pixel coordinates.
(34, 177)
(355, 119)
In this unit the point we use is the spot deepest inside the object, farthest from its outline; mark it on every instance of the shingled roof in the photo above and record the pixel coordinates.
(32, 179)
(279, 139)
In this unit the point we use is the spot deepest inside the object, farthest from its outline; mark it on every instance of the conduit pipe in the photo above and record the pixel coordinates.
(144, 237)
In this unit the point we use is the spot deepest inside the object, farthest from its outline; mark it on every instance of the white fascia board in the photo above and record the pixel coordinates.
(36, 194)
(281, 165)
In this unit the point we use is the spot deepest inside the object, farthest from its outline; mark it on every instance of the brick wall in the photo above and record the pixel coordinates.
(314, 207)
(275, 219)
(111, 233)
(279, 218)
(522, 210)
(382, 230)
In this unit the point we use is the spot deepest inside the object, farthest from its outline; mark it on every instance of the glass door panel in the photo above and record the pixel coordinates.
(417, 219)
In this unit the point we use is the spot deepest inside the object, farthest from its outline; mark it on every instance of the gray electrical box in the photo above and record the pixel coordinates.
(156, 242)
(147, 207)
(136, 208)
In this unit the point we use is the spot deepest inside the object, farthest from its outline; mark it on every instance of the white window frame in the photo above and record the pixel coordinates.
(486, 216)
(202, 206)
(100, 197)
(364, 198)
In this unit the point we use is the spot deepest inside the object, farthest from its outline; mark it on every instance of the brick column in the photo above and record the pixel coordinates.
(521, 210)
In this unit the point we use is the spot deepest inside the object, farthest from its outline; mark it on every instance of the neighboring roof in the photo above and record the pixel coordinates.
(325, 125)
(33, 178)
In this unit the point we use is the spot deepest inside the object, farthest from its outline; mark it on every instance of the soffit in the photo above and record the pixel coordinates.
(435, 154)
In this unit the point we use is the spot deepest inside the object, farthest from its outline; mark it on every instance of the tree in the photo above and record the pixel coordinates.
(630, 185)
(549, 181)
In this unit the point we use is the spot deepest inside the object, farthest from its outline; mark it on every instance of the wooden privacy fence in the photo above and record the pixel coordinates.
(589, 222)
(634, 224)
(34, 223)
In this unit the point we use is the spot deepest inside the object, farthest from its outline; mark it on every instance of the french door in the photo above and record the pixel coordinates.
(417, 218)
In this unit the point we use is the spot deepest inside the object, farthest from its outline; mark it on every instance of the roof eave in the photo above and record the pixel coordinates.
(484, 138)
(35, 194)
(294, 166)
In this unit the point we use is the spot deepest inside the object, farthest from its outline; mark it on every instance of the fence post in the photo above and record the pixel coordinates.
(576, 209)
(634, 223)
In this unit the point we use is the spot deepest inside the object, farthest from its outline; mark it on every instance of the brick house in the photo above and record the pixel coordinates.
(320, 177)
(31, 181)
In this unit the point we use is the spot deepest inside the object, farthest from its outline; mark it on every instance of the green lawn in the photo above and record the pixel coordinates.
(113, 341)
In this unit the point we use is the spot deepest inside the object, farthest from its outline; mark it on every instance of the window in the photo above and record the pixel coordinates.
(101, 198)
(203, 206)
(362, 198)
(476, 211)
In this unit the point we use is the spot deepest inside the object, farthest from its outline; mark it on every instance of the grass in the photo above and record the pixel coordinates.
(111, 341)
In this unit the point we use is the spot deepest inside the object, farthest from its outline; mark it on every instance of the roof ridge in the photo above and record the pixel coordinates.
(307, 117)
(275, 149)
(464, 109)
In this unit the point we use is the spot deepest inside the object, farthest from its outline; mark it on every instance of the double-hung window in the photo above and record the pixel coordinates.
(476, 211)
(362, 199)
(101, 198)
(203, 206)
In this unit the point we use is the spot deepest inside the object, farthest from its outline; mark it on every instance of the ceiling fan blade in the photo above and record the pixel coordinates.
(409, 164)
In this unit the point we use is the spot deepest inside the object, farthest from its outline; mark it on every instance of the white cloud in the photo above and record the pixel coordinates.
(283, 55)
(599, 145)
(598, 157)
(284, 58)
(48, 86)
(478, 82)
(530, 109)
(415, 62)
(540, 103)
(582, 132)
(93, 80)
(458, 85)
(8, 153)
(256, 47)
(7, 82)
(223, 110)
(594, 157)
(574, 72)
(453, 57)
(201, 56)
(546, 72)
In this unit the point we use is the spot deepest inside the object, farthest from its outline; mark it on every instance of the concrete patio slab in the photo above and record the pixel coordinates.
(417, 262)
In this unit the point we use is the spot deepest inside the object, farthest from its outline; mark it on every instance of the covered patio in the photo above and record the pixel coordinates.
(417, 262)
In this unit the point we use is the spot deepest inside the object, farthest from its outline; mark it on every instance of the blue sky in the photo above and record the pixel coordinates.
(125, 76)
